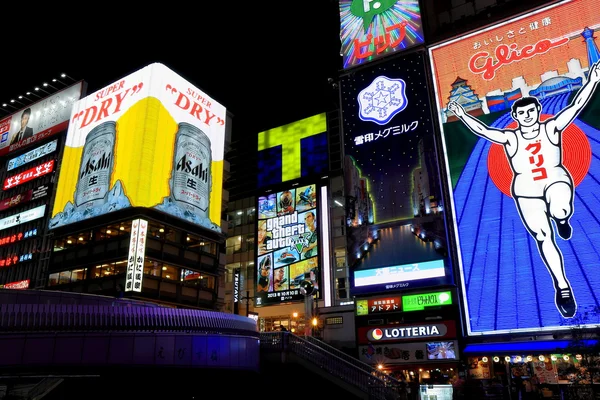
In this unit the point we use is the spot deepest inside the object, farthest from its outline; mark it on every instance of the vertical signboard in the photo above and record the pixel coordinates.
(137, 252)
(518, 105)
(236, 291)
(372, 29)
(38, 121)
(396, 233)
(287, 245)
(151, 140)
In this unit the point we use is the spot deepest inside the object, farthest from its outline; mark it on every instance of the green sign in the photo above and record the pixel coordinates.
(418, 302)
(368, 9)
(362, 307)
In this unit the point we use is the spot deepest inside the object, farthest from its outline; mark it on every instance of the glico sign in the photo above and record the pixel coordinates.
(148, 140)
(518, 109)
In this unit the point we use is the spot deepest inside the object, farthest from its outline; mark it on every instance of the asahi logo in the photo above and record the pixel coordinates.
(408, 332)
(94, 165)
(187, 165)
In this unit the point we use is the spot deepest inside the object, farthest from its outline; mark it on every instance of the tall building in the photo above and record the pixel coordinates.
(32, 143)
(296, 176)
(137, 197)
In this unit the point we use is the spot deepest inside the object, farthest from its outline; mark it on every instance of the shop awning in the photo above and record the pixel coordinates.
(538, 346)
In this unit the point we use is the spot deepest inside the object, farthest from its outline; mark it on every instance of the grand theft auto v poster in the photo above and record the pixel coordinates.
(287, 245)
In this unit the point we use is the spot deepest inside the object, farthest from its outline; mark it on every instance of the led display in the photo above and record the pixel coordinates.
(31, 155)
(396, 234)
(287, 246)
(371, 29)
(292, 151)
(30, 174)
(40, 120)
(518, 104)
(148, 140)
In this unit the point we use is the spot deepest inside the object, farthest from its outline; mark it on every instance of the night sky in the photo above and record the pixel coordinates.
(388, 161)
(266, 62)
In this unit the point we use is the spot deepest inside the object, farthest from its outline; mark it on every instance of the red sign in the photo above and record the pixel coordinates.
(384, 304)
(15, 237)
(16, 200)
(28, 175)
(14, 259)
(403, 332)
(16, 285)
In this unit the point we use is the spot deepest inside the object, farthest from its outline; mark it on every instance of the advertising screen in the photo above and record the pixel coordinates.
(441, 350)
(150, 140)
(31, 155)
(38, 121)
(396, 234)
(373, 29)
(287, 245)
(292, 151)
(518, 106)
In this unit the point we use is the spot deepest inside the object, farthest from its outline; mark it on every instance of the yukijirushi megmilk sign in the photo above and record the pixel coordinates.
(149, 140)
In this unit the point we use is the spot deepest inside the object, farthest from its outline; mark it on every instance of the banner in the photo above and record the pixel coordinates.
(395, 227)
(40, 120)
(25, 216)
(287, 246)
(151, 140)
(32, 155)
(518, 104)
(371, 29)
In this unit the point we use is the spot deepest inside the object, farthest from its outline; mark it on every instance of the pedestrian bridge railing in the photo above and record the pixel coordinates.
(374, 384)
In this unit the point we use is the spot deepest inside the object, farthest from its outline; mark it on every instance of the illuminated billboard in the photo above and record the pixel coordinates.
(292, 151)
(38, 121)
(372, 29)
(287, 245)
(396, 234)
(518, 105)
(32, 155)
(148, 140)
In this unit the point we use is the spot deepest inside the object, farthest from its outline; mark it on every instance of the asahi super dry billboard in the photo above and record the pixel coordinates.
(151, 140)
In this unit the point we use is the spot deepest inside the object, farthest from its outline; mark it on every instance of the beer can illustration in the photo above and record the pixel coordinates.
(96, 166)
(191, 174)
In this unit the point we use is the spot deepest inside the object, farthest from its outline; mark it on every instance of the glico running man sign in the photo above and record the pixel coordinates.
(149, 140)
(518, 106)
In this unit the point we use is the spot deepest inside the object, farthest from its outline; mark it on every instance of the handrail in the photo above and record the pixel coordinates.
(362, 365)
(93, 318)
(360, 375)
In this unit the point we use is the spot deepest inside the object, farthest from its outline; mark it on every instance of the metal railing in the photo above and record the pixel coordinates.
(105, 318)
(352, 371)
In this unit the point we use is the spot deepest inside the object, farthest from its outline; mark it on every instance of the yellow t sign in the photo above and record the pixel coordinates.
(289, 137)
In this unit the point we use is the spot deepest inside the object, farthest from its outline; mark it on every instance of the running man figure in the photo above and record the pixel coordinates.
(542, 188)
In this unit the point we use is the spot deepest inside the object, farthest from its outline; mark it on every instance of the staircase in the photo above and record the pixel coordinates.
(356, 377)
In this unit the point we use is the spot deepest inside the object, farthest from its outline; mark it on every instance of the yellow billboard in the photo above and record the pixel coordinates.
(150, 140)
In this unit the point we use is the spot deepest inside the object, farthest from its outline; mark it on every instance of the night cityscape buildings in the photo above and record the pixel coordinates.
(380, 231)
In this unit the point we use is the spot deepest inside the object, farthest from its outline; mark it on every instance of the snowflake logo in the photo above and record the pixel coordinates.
(382, 100)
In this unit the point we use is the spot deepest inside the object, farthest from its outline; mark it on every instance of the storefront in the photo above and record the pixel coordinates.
(550, 369)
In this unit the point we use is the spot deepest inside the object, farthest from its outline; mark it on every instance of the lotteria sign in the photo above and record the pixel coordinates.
(418, 302)
(410, 332)
(406, 332)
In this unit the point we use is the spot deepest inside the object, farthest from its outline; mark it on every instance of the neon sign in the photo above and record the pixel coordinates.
(13, 260)
(28, 175)
(10, 239)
